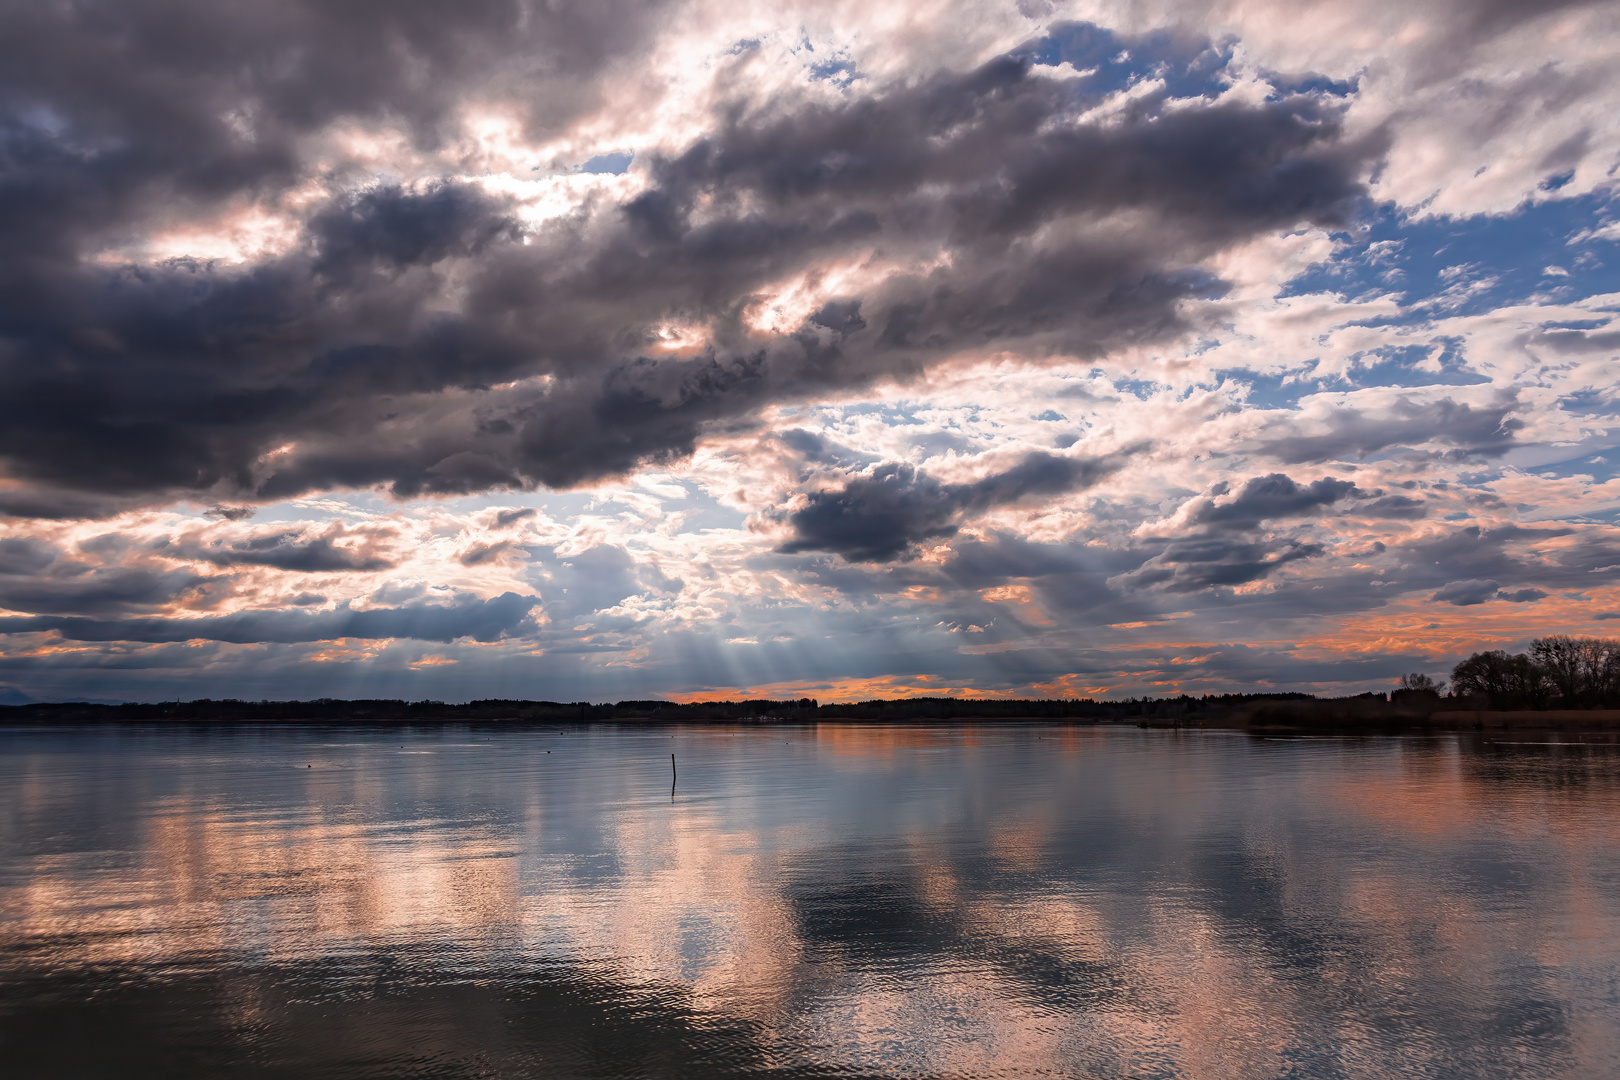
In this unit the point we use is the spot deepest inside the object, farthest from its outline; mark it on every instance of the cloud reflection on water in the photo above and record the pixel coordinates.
(944, 901)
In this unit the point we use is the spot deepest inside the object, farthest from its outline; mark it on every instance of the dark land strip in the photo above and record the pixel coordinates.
(1400, 712)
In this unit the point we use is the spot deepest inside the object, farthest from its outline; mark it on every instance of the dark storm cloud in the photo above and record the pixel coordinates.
(36, 578)
(1274, 496)
(120, 117)
(1204, 562)
(1473, 554)
(883, 516)
(98, 591)
(1278, 495)
(198, 98)
(512, 517)
(1467, 593)
(464, 616)
(1395, 508)
(979, 564)
(22, 555)
(1577, 342)
(114, 575)
(389, 346)
(877, 518)
(1468, 566)
(1485, 431)
(1465, 566)
(1522, 596)
(389, 229)
(290, 551)
(477, 554)
(1216, 551)
(820, 449)
(1218, 666)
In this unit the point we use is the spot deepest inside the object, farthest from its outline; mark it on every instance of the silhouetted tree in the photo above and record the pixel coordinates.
(1563, 660)
(1415, 689)
(1502, 680)
(1558, 672)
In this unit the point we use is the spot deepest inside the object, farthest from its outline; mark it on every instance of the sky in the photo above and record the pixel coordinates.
(618, 350)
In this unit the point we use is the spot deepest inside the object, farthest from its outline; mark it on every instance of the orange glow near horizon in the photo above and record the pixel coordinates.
(847, 691)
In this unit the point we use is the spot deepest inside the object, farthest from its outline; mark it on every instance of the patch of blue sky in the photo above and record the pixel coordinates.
(1598, 401)
(858, 408)
(1598, 458)
(1412, 365)
(966, 429)
(556, 503)
(703, 512)
(613, 163)
(835, 65)
(1395, 366)
(1189, 66)
(1542, 252)
(1399, 368)
(1605, 516)
(334, 506)
(1596, 454)
(893, 413)
(838, 70)
(1141, 389)
(1269, 391)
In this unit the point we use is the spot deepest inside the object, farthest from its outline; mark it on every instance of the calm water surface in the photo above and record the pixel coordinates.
(813, 901)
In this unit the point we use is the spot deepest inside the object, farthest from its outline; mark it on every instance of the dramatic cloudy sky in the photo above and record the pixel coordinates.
(625, 349)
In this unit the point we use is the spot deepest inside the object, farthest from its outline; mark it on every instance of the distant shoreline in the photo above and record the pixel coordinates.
(1255, 714)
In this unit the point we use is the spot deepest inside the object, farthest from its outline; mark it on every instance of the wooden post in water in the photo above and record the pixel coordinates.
(672, 778)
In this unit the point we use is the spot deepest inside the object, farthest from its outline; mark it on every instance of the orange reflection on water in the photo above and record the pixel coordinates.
(882, 742)
(1039, 900)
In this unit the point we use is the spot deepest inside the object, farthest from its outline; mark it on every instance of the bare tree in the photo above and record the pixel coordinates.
(1416, 689)
(1559, 670)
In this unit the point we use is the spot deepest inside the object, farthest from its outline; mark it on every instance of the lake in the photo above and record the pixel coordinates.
(823, 900)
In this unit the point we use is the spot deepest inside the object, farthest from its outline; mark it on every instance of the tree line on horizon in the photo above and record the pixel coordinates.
(1556, 672)
(385, 710)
